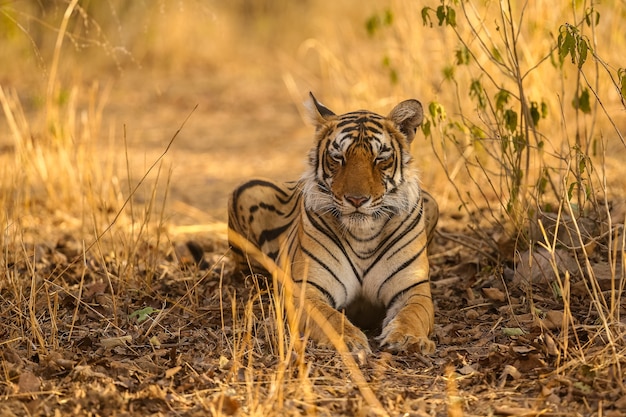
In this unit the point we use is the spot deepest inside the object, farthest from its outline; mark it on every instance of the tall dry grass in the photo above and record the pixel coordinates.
(62, 172)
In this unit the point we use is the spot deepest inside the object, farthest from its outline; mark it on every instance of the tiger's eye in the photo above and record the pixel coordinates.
(382, 158)
(336, 158)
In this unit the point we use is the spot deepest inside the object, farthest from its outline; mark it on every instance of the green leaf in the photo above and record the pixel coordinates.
(510, 120)
(437, 112)
(519, 143)
(143, 314)
(497, 55)
(426, 20)
(426, 128)
(583, 47)
(388, 20)
(477, 92)
(592, 17)
(375, 22)
(393, 76)
(544, 109)
(538, 111)
(502, 98)
(451, 17)
(570, 190)
(535, 115)
(477, 133)
(582, 102)
(571, 42)
(512, 331)
(584, 388)
(504, 143)
(565, 43)
(372, 24)
(462, 56)
(445, 14)
(441, 14)
(448, 72)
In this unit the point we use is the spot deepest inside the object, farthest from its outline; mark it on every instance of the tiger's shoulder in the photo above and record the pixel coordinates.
(262, 211)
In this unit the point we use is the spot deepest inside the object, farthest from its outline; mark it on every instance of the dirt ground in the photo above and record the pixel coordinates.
(168, 338)
(130, 325)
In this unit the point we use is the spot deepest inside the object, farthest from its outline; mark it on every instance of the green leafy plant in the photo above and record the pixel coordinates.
(500, 141)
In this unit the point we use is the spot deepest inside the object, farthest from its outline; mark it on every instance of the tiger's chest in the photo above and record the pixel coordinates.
(354, 263)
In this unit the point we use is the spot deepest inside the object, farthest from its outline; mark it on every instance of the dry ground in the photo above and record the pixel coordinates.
(103, 311)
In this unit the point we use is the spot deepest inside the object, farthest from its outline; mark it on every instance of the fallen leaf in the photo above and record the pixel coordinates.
(112, 342)
(621, 403)
(224, 363)
(494, 294)
(466, 370)
(515, 411)
(551, 347)
(225, 404)
(538, 266)
(154, 341)
(512, 331)
(142, 314)
(86, 371)
(509, 371)
(28, 382)
(553, 319)
(584, 388)
(172, 371)
(522, 350)
(472, 314)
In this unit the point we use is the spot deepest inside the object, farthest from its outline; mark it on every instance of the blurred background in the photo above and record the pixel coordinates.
(93, 91)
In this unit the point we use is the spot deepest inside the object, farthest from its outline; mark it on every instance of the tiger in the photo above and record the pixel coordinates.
(353, 231)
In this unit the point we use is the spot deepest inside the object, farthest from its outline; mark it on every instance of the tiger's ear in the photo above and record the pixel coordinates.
(407, 116)
(318, 112)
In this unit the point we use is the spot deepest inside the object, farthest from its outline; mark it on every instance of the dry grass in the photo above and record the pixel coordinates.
(103, 312)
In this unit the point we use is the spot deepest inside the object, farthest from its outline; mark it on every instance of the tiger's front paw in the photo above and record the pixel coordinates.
(408, 343)
(397, 338)
(354, 339)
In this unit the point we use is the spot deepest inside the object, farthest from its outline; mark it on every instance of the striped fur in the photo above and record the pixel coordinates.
(353, 230)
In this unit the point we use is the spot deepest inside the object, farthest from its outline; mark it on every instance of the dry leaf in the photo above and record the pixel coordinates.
(224, 363)
(225, 404)
(551, 347)
(154, 341)
(522, 350)
(553, 319)
(172, 371)
(466, 370)
(515, 411)
(28, 382)
(621, 403)
(509, 371)
(494, 294)
(472, 314)
(539, 265)
(112, 342)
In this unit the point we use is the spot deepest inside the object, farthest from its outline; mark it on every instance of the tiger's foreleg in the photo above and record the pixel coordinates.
(410, 318)
(322, 322)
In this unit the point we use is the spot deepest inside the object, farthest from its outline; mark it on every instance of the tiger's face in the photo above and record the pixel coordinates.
(360, 169)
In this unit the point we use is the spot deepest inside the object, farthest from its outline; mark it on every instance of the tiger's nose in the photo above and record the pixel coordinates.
(356, 200)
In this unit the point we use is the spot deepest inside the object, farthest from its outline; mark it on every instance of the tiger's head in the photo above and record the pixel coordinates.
(360, 169)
